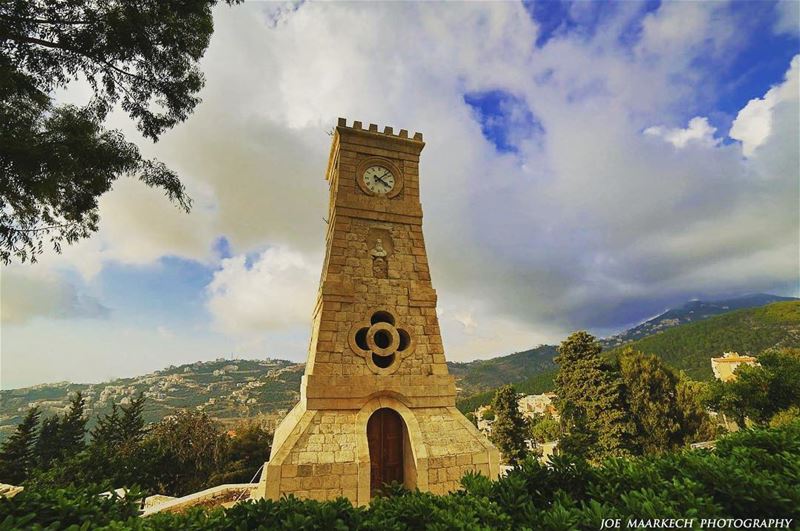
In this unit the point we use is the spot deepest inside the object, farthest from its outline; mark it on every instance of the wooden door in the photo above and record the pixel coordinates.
(385, 437)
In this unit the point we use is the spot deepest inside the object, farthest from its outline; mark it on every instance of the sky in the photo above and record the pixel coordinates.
(587, 165)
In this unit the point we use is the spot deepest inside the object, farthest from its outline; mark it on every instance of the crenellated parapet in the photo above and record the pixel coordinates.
(373, 128)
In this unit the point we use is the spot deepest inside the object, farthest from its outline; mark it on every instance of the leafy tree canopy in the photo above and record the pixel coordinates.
(56, 160)
(759, 392)
(544, 428)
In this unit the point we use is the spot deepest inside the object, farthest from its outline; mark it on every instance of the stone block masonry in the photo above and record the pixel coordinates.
(377, 402)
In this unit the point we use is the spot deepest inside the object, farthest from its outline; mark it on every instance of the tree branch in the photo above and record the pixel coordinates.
(47, 21)
(40, 229)
(57, 46)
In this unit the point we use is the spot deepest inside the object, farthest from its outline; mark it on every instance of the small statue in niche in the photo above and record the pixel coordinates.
(380, 265)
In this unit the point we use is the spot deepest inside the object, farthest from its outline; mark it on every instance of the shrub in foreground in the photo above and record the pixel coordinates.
(754, 473)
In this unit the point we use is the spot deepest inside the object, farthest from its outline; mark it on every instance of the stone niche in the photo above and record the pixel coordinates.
(377, 403)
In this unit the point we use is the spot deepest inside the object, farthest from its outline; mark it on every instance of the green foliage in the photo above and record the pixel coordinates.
(510, 428)
(246, 452)
(752, 473)
(57, 160)
(590, 401)
(665, 408)
(48, 445)
(487, 375)
(786, 417)
(62, 436)
(689, 347)
(544, 428)
(534, 384)
(131, 423)
(696, 422)
(181, 454)
(187, 449)
(196, 384)
(650, 399)
(62, 508)
(17, 457)
(72, 429)
(759, 392)
(106, 432)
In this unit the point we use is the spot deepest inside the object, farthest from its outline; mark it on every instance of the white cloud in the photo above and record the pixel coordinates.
(592, 225)
(275, 291)
(27, 293)
(467, 321)
(699, 131)
(788, 20)
(753, 124)
(165, 332)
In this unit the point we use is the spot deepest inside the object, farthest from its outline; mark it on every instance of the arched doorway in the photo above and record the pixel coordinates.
(385, 439)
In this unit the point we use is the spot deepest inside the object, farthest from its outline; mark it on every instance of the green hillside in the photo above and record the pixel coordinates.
(689, 347)
(483, 375)
(532, 385)
(227, 390)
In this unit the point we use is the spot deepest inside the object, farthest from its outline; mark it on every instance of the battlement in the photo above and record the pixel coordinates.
(373, 128)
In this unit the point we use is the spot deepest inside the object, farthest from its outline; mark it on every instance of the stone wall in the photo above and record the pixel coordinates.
(375, 341)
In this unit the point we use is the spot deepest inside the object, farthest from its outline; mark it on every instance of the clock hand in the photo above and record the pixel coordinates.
(381, 180)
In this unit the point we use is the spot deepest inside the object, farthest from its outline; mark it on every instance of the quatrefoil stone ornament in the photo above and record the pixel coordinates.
(381, 341)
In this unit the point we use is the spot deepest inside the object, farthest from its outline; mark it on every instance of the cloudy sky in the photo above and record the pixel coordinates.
(587, 165)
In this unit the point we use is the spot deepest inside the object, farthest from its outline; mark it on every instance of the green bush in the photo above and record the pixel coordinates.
(62, 508)
(753, 473)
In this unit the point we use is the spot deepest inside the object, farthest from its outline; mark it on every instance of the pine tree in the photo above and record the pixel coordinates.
(132, 420)
(73, 426)
(590, 401)
(510, 428)
(48, 446)
(696, 424)
(106, 432)
(17, 457)
(651, 398)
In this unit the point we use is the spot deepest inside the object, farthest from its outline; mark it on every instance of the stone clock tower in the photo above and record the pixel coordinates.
(376, 402)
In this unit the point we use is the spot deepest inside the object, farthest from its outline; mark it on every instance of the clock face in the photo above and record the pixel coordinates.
(378, 180)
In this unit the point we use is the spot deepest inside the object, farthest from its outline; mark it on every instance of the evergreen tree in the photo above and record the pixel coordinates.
(590, 401)
(650, 396)
(17, 457)
(510, 428)
(132, 421)
(48, 446)
(106, 432)
(697, 425)
(73, 427)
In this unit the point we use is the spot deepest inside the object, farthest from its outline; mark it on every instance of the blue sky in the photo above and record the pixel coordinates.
(588, 164)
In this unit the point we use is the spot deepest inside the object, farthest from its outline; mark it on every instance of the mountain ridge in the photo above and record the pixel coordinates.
(230, 389)
(690, 311)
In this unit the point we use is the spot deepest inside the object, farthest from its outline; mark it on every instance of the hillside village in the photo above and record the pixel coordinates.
(226, 389)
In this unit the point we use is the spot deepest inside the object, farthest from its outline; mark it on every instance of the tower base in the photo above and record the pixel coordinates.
(323, 454)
